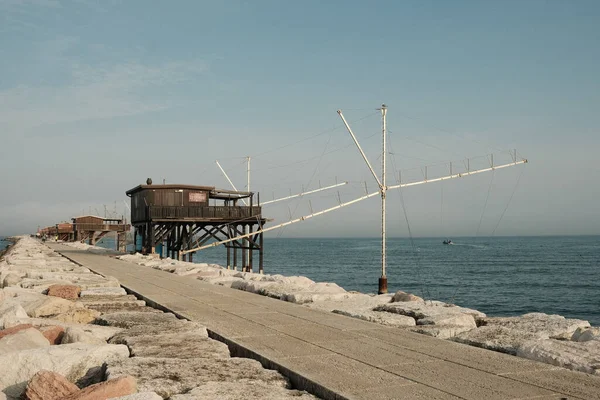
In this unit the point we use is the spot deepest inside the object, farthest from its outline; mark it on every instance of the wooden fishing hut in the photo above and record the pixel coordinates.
(64, 231)
(92, 228)
(172, 218)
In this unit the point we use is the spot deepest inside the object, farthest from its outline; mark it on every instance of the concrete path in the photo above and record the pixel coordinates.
(337, 357)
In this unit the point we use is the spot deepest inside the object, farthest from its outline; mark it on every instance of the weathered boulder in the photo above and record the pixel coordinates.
(543, 325)
(14, 329)
(78, 316)
(246, 389)
(22, 296)
(169, 376)
(379, 317)
(10, 309)
(122, 386)
(176, 345)
(507, 334)
(401, 296)
(140, 396)
(311, 297)
(41, 285)
(103, 291)
(295, 289)
(109, 304)
(585, 334)
(101, 332)
(427, 309)
(54, 334)
(462, 320)
(11, 279)
(48, 306)
(225, 281)
(179, 326)
(48, 385)
(441, 331)
(73, 361)
(351, 302)
(578, 356)
(29, 338)
(77, 335)
(497, 338)
(69, 292)
(130, 319)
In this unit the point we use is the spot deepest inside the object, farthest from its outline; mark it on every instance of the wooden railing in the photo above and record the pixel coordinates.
(195, 213)
(102, 227)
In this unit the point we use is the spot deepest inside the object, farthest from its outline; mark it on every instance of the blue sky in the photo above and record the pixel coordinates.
(97, 96)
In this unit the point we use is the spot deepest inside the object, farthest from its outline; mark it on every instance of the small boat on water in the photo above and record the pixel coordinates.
(447, 241)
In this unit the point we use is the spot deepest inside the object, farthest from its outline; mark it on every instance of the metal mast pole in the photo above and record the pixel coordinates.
(247, 229)
(383, 280)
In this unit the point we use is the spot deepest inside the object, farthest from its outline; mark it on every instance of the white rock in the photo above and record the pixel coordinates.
(100, 332)
(507, 334)
(379, 317)
(48, 306)
(310, 297)
(441, 331)
(585, 334)
(103, 291)
(352, 302)
(403, 296)
(578, 356)
(41, 285)
(73, 361)
(243, 389)
(25, 339)
(170, 376)
(11, 279)
(427, 309)
(77, 335)
(497, 338)
(464, 320)
(139, 396)
(9, 310)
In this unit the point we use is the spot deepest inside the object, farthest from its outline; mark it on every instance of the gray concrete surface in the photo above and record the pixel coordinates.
(337, 357)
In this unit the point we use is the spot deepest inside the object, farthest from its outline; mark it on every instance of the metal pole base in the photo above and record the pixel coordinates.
(383, 285)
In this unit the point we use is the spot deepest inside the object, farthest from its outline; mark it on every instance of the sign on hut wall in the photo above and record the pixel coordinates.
(197, 197)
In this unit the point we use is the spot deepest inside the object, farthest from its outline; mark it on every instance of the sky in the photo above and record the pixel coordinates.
(97, 96)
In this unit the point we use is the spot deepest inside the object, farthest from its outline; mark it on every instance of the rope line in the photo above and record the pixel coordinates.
(509, 200)
(485, 204)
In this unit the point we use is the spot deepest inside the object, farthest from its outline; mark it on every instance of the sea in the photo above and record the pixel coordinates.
(3, 243)
(500, 276)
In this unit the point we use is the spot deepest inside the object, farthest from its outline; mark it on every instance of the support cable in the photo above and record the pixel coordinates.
(509, 200)
(485, 204)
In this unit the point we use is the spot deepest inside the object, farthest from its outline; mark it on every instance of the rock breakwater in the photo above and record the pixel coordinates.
(67, 333)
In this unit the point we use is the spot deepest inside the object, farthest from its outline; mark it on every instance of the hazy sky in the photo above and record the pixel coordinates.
(96, 96)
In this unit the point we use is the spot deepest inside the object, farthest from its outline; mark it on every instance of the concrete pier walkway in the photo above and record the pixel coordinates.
(337, 357)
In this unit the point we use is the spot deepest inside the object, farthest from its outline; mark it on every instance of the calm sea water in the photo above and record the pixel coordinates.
(3, 244)
(499, 276)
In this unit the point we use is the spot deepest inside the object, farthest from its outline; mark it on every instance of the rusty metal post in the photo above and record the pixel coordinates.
(383, 287)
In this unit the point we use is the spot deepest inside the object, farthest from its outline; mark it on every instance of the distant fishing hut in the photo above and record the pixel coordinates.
(90, 228)
(171, 219)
